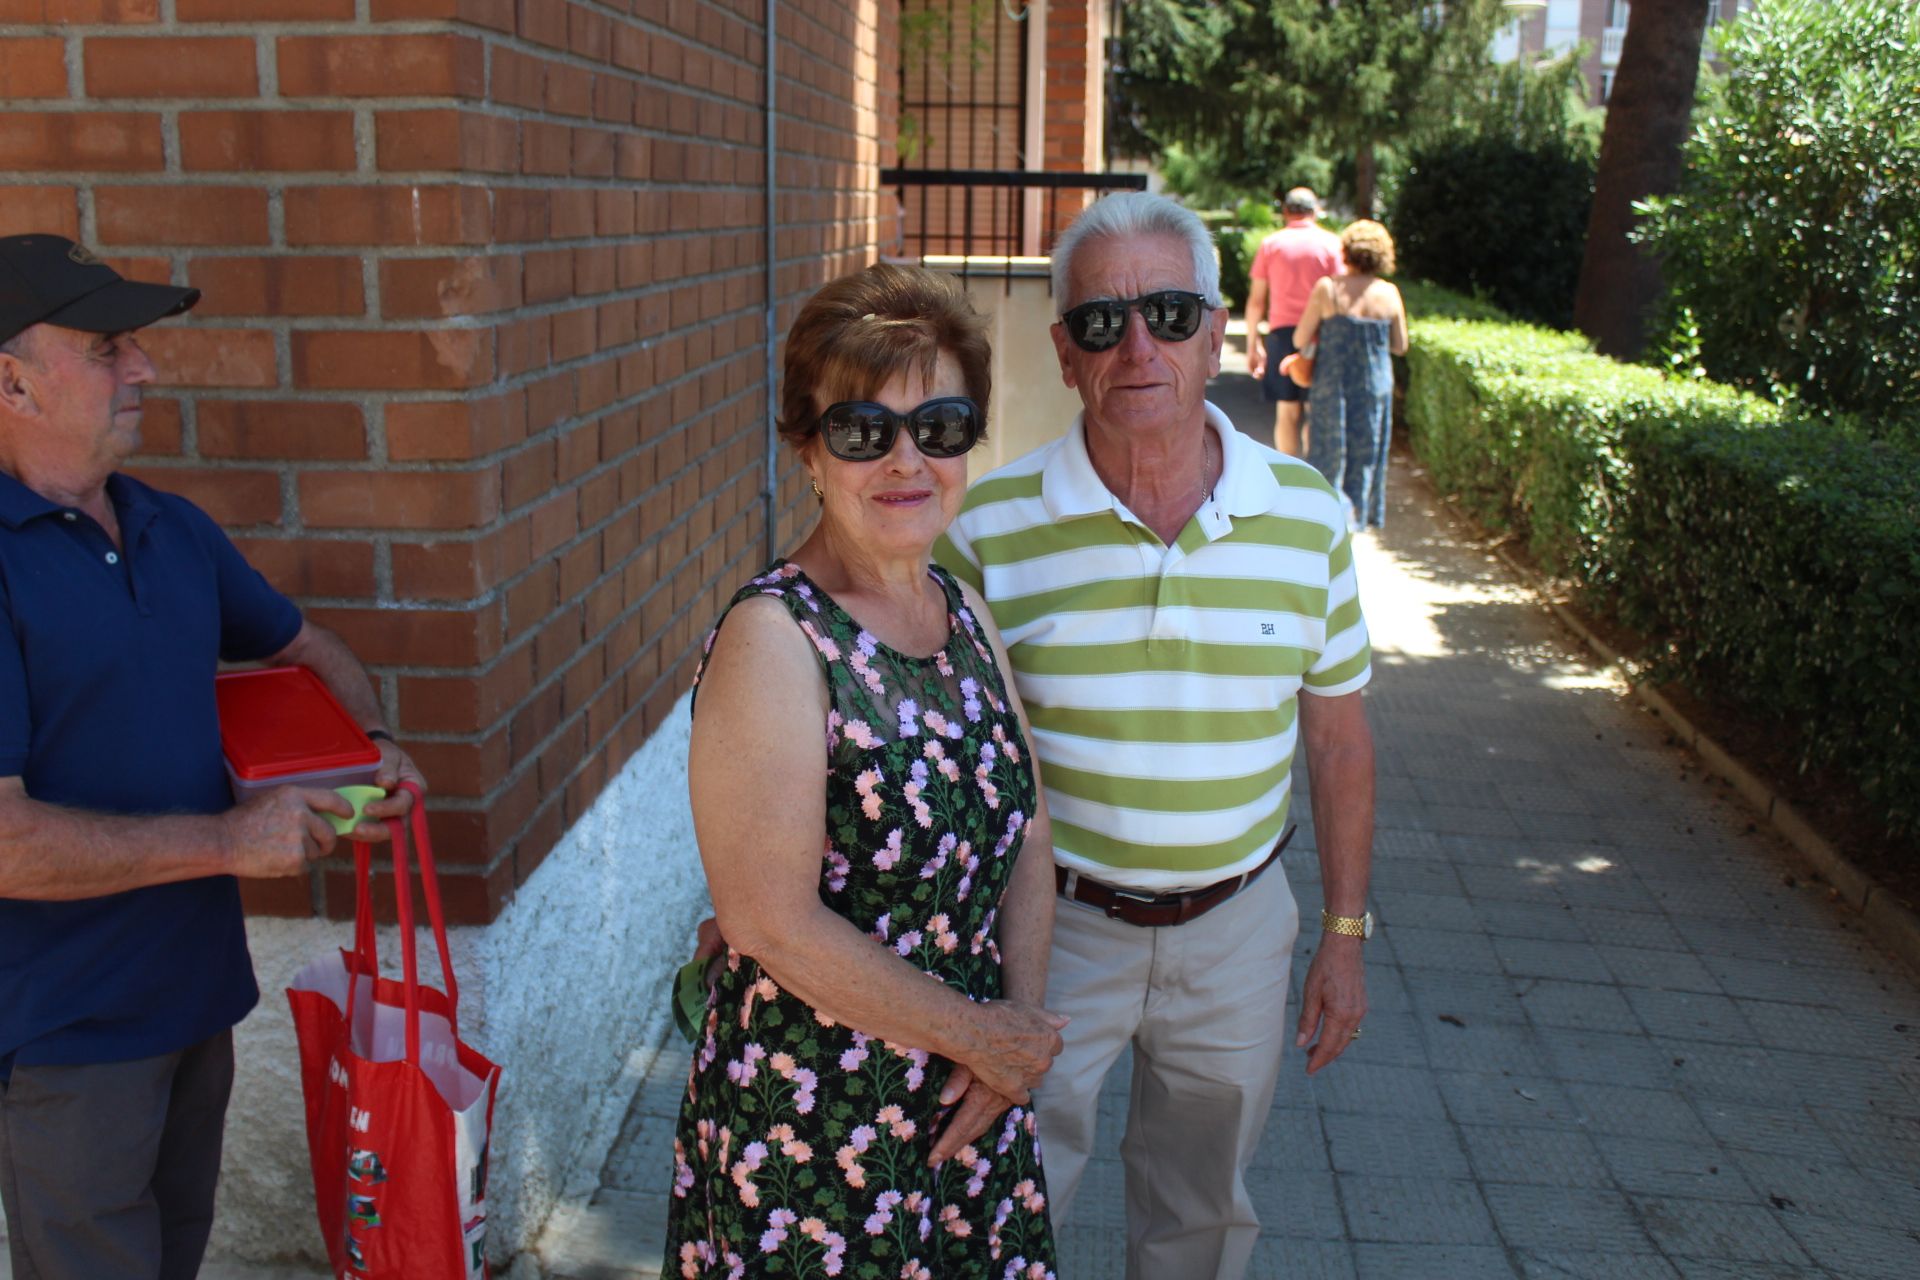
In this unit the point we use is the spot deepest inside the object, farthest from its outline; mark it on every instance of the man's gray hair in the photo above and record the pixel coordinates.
(18, 345)
(1300, 203)
(1129, 214)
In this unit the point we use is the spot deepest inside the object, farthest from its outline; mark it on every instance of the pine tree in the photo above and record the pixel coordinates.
(1249, 82)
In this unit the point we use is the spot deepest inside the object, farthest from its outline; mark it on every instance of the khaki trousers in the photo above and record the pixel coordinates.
(1204, 1005)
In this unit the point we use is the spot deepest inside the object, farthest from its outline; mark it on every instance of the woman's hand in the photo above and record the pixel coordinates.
(708, 944)
(1020, 1042)
(979, 1107)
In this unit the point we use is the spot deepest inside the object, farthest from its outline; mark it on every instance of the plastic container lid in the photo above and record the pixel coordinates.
(281, 721)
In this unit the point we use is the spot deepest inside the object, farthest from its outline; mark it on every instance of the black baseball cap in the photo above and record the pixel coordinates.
(48, 279)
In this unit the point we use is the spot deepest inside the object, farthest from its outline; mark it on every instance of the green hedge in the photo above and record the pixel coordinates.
(1236, 245)
(1775, 561)
(1431, 302)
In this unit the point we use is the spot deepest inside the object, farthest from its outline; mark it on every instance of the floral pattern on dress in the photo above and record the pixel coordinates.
(802, 1144)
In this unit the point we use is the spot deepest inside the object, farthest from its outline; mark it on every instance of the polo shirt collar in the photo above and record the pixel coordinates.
(1070, 487)
(1247, 486)
(133, 500)
(19, 504)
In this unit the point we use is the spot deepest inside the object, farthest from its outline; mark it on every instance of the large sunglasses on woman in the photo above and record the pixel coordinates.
(1171, 315)
(861, 431)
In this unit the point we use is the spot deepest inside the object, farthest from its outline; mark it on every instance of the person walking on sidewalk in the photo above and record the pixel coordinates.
(1181, 612)
(1359, 323)
(123, 953)
(1284, 271)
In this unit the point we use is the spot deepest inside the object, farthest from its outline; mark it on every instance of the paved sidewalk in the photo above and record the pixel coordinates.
(1616, 1033)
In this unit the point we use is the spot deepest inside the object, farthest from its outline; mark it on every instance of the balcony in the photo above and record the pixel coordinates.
(1610, 41)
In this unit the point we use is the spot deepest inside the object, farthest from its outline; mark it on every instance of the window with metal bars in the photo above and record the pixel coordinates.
(963, 70)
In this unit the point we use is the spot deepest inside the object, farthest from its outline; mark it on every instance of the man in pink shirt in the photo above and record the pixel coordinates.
(1285, 269)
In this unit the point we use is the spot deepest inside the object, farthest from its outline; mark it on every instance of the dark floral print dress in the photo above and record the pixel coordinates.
(802, 1145)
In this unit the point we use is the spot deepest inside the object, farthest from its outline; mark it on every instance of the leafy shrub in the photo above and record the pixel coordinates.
(1499, 217)
(1791, 244)
(1237, 242)
(1465, 410)
(1776, 560)
(1782, 566)
(1436, 302)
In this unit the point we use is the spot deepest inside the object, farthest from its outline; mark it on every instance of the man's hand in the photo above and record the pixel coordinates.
(279, 833)
(1256, 354)
(395, 767)
(979, 1107)
(1333, 999)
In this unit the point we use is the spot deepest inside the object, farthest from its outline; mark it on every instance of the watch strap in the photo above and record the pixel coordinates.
(1345, 926)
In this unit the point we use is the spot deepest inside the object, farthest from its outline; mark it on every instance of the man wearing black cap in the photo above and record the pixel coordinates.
(123, 954)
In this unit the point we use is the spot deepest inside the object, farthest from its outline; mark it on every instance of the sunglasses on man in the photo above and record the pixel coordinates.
(861, 431)
(1171, 315)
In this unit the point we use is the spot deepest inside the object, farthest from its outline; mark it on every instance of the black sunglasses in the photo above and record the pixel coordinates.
(860, 430)
(1172, 315)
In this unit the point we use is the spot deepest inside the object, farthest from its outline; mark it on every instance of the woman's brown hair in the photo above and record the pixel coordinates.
(1367, 247)
(860, 331)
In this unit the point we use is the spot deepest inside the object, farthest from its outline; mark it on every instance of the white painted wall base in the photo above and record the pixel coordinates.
(561, 991)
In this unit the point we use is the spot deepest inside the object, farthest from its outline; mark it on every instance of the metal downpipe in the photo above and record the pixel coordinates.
(771, 492)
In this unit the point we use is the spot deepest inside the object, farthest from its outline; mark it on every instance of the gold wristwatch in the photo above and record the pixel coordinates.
(1360, 926)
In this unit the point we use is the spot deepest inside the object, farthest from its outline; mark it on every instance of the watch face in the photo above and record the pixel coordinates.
(1366, 925)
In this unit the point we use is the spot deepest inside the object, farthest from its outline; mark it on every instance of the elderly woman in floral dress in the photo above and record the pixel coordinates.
(875, 843)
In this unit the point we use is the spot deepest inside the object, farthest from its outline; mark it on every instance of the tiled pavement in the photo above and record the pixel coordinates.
(1615, 1033)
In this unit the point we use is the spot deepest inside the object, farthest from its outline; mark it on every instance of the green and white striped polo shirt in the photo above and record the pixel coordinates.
(1162, 681)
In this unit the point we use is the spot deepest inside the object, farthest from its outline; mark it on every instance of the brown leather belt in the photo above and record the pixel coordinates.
(1154, 910)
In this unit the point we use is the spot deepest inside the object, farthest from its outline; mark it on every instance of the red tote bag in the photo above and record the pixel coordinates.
(399, 1111)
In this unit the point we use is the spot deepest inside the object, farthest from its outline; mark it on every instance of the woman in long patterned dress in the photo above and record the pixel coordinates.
(876, 846)
(1359, 323)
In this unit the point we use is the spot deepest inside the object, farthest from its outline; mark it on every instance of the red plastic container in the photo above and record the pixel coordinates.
(280, 727)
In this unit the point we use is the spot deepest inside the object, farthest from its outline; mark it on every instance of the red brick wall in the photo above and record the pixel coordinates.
(1070, 129)
(478, 376)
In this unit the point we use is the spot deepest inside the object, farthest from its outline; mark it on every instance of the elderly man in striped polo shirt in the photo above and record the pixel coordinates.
(1167, 589)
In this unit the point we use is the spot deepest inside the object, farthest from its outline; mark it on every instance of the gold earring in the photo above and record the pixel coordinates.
(818, 492)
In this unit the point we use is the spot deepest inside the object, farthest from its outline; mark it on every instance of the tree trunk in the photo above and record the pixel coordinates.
(1648, 117)
(1363, 180)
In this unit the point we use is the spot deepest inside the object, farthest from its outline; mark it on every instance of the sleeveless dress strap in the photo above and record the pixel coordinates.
(784, 582)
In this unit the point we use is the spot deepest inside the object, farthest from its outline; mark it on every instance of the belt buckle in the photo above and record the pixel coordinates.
(1128, 895)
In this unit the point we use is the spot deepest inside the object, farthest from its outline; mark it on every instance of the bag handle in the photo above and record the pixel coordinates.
(409, 958)
(365, 948)
(366, 956)
(430, 887)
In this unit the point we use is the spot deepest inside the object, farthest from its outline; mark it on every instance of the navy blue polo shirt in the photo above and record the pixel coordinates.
(107, 659)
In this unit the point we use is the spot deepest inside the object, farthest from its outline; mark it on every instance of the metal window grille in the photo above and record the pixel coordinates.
(963, 183)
